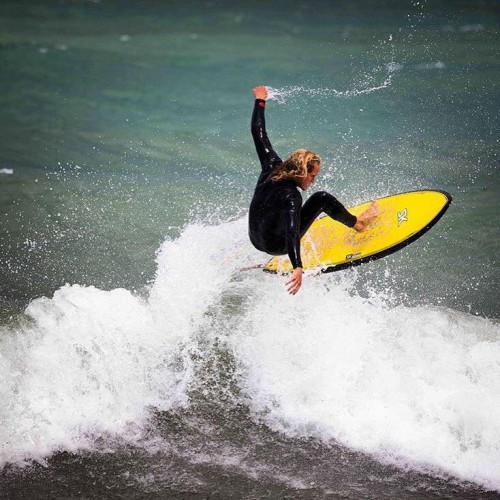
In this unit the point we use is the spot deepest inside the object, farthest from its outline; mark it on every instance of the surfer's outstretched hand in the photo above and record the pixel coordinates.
(260, 92)
(369, 215)
(295, 281)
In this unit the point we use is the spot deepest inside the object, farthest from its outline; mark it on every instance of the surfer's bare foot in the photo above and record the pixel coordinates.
(368, 216)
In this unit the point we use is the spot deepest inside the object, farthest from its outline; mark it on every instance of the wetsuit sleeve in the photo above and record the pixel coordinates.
(291, 218)
(267, 156)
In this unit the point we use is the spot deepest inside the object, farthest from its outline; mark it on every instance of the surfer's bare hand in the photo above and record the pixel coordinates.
(295, 281)
(260, 92)
(367, 217)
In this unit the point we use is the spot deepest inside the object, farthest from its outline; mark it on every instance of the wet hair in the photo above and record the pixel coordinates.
(300, 163)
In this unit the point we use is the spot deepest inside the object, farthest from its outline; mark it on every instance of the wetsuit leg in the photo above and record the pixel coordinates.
(324, 202)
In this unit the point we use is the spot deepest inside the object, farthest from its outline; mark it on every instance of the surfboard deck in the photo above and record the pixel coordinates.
(330, 246)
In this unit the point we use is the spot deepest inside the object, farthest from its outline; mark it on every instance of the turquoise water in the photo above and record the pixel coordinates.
(126, 170)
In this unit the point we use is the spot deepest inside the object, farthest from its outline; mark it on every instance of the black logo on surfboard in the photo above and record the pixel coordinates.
(352, 255)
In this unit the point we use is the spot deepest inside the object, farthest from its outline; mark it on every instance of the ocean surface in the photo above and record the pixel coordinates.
(137, 360)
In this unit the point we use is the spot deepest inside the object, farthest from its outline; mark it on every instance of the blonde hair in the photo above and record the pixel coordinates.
(300, 163)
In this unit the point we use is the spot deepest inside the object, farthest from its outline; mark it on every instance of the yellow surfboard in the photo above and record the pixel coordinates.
(331, 246)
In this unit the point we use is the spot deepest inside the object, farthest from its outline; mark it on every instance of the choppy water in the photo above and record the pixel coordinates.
(136, 359)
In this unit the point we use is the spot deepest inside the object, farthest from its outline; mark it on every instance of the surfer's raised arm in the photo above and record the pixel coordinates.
(267, 156)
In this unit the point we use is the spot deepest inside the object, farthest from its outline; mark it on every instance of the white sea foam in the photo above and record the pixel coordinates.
(432, 65)
(6, 171)
(414, 385)
(89, 361)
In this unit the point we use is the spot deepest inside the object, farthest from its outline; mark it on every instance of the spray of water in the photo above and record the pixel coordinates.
(283, 94)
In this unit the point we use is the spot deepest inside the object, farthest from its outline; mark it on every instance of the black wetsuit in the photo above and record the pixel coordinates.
(277, 219)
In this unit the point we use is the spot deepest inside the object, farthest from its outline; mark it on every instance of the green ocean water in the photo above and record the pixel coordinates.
(125, 122)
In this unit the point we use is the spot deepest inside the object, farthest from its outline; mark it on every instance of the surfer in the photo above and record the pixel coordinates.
(277, 217)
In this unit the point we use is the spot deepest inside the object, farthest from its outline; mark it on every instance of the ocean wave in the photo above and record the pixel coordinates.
(88, 362)
(413, 386)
